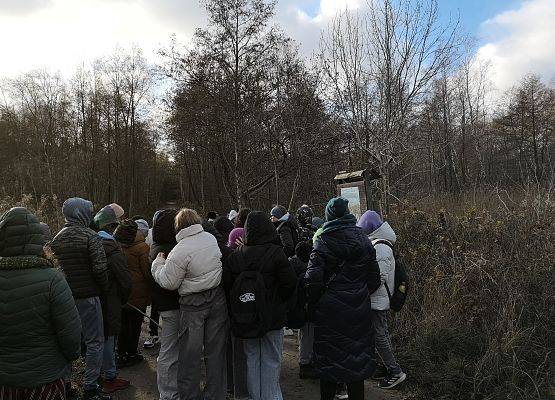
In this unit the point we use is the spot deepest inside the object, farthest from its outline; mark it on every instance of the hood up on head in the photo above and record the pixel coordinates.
(20, 234)
(78, 211)
(224, 226)
(106, 216)
(259, 229)
(163, 227)
(369, 222)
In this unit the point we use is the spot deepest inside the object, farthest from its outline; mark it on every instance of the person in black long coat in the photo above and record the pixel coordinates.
(341, 275)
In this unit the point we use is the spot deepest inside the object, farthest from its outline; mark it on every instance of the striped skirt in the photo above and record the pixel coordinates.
(51, 391)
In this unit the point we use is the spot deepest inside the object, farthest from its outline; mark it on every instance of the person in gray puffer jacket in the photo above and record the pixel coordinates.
(81, 255)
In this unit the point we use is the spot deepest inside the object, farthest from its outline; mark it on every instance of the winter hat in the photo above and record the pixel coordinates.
(20, 234)
(303, 250)
(106, 216)
(278, 212)
(126, 232)
(118, 210)
(232, 215)
(337, 208)
(370, 221)
(317, 223)
(234, 235)
(142, 226)
(78, 211)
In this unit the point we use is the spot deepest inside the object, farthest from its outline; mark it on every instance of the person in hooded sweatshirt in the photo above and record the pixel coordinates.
(194, 267)
(82, 258)
(264, 353)
(40, 331)
(167, 304)
(120, 288)
(286, 228)
(136, 251)
(341, 276)
(383, 238)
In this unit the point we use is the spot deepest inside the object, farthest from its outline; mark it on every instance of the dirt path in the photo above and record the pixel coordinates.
(143, 379)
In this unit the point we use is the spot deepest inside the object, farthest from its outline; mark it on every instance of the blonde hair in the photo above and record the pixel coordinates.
(185, 218)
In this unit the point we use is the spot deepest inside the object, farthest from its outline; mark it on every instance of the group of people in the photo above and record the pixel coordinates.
(210, 282)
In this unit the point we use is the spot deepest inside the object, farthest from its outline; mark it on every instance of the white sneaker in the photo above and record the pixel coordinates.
(392, 380)
(151, 342)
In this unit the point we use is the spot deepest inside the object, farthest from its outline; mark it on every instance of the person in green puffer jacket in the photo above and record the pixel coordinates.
(40, 329)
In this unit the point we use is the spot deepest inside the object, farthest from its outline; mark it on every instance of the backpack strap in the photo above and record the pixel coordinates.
(390, 245)
(383, 241)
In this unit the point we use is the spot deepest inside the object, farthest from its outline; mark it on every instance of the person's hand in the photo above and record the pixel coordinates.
(161, 256)
(240, 242)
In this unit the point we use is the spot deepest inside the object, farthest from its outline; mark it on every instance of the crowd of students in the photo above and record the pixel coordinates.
(244, 276)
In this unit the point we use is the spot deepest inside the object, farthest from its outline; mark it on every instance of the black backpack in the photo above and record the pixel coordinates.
(250, 302)
(399, 296)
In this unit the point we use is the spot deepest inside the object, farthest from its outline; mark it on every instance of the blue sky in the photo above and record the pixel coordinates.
(515, 36)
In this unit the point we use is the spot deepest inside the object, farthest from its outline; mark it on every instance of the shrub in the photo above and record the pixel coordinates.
(478, 323)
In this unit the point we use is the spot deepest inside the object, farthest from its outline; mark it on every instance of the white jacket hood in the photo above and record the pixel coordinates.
(384, 232)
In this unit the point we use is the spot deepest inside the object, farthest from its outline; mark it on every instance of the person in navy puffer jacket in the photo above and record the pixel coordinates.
(342, 274)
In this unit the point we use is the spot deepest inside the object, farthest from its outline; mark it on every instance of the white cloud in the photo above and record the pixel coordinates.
(67, 33)
(307, 29)
(519, 42)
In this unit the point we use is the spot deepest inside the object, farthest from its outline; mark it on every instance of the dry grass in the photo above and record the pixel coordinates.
(479, 321)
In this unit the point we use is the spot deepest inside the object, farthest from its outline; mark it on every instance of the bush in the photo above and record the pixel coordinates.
(478, 322)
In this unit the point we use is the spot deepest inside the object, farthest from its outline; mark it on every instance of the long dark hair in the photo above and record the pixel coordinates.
(242, 217)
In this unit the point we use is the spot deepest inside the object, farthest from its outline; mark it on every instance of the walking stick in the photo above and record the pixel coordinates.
(151, 320)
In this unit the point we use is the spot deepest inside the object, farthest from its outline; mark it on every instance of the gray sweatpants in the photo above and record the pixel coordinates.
(383, 341)
(168, 357)
(203, 322)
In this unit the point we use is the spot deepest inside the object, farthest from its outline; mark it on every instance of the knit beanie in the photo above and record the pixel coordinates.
(337, 208)
(126, 232)
(278, 212)
(370, 221)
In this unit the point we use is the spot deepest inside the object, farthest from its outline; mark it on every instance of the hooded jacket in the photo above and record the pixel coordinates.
(80, 252)
(193, 266)
(40, 329)
(342, 273)
(137, 252)
(163, 237)
(386, 261)
(119, 279)
(286, 229)
(261, 249)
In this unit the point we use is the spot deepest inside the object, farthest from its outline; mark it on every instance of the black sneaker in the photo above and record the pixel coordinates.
(381, 373)
(392, 380)
(307, 371)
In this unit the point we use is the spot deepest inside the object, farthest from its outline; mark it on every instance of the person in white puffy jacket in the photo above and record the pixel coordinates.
(378, 232)
(194, 267)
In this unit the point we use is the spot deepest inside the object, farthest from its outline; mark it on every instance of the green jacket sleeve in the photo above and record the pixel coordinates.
(65, 318)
